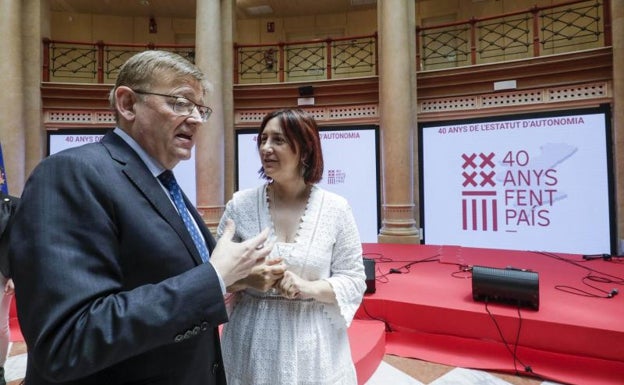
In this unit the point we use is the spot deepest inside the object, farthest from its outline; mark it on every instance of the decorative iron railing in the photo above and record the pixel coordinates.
(565, 27)
(306, 60)
(99, 62)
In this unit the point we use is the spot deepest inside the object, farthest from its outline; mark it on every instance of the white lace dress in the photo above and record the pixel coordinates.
(271, 340)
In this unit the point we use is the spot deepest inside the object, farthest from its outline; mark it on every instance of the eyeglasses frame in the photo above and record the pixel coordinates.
(197, 105)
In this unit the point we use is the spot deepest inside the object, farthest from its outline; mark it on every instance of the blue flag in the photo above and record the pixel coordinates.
(3, 182)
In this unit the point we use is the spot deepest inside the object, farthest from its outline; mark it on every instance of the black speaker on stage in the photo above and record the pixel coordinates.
(510, 286)
(369, 270)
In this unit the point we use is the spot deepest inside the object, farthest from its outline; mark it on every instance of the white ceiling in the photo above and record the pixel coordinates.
(186, 8)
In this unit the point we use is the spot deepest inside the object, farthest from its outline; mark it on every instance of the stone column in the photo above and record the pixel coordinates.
(617, 25)
(397, 100)
(209, 151)
(12, 122)
(36, 18)
(228, 12)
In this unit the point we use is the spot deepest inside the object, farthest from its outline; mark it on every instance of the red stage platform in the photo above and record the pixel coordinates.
(576, 336)
(368, 346)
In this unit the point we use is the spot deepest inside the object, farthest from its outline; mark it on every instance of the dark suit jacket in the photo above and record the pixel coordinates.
(109, 286)
(8, 204)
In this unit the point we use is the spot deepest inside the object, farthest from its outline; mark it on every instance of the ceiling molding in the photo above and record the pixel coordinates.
(245, 9)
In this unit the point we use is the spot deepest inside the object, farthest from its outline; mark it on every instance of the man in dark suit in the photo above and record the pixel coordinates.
(110, 286)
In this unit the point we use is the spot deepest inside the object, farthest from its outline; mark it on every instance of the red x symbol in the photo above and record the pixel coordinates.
(486, 160)
(487, 178)
(469, 178)
(469, 161)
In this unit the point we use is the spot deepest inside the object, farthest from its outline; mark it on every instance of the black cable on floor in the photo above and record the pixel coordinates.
(514, 353)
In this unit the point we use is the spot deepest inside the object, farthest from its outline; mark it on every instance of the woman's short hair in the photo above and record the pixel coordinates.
(301, 130)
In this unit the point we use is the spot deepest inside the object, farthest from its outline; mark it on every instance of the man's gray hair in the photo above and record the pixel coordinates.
(148, 67)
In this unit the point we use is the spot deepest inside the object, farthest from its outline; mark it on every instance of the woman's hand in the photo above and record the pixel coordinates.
(293, 286)
(262, 276)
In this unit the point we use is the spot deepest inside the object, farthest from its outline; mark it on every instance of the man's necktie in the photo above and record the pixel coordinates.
(168, 180)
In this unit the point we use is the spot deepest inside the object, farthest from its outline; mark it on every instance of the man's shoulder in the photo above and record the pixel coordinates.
(93, 149)
(8, 204)
(8, 199)
(91, 154)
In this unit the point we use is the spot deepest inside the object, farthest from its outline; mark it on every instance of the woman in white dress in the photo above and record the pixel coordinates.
(288, 320)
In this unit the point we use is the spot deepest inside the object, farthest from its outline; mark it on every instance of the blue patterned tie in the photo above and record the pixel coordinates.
(168, 180)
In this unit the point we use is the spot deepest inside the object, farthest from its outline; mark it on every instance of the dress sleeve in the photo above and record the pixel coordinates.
(229, 213)
(226, 214)
(243, 209)
(347, 275)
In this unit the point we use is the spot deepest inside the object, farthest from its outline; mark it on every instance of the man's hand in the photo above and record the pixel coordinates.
(234, 261)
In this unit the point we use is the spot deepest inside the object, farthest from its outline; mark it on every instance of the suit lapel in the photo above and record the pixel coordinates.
(139, 175)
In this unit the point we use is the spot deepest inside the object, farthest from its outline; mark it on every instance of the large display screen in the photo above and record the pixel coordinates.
(350, 156)
(64, 139)
(539, 182)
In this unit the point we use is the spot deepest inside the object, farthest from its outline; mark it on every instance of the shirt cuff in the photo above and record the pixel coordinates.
(221, 283)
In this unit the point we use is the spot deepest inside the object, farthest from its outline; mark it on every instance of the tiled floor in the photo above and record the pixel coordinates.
(15, 366)
(392, 371)
(404, 371)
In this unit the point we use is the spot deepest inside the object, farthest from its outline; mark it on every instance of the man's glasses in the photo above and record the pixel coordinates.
(182, 105)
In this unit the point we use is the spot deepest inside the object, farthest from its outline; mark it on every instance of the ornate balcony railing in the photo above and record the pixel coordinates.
(565, 27)
(306, 60)
(99, 62)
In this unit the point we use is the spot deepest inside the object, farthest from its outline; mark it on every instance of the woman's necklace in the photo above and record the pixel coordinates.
(287, 216)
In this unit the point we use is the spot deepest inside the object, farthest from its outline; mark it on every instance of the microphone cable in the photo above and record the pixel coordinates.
(593, 275)
(406, 268)
(514, 353)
